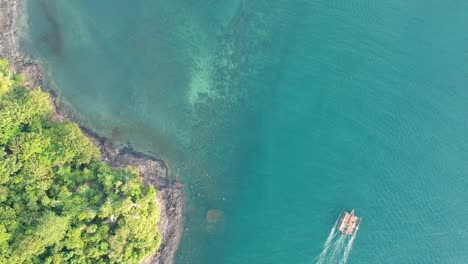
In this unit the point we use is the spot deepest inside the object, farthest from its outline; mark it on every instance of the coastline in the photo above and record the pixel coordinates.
(153, 171)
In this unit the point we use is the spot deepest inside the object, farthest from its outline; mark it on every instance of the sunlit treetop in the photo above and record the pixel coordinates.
(58, 202)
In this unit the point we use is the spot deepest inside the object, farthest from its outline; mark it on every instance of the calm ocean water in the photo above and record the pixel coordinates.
(279, 114)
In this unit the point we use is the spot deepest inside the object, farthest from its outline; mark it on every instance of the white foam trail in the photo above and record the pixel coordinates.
(331, 235)
(330, 238)
(328, 244)
(336, 253)
(348, 248)
(337, 247)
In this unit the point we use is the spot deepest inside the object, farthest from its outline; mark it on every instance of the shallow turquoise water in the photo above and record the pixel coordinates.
(280, 114)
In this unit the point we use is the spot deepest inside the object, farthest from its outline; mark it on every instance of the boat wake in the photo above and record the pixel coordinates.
(337, 247)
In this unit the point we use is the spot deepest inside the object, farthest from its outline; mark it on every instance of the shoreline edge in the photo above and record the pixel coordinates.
(169, 193)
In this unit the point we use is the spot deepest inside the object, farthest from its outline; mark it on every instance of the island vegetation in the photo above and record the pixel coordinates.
(59, 203)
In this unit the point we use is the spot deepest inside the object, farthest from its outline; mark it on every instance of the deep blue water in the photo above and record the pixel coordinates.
(279, 114)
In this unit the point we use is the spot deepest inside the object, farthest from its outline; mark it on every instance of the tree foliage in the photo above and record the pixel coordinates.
(58, 202)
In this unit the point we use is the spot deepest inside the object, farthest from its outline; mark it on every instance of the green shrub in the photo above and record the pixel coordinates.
(58, 202)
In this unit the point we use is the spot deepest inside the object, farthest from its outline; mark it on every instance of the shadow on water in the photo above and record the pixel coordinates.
(53, 37)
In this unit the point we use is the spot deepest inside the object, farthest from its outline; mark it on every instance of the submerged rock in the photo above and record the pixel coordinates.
(214, 216)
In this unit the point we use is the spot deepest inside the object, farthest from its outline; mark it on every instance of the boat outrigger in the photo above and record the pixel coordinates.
(349, 223)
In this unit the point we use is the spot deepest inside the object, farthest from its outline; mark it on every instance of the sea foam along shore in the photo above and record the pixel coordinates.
(153, 171)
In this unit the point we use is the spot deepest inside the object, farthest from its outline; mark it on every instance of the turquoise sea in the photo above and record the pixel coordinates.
(279, 114)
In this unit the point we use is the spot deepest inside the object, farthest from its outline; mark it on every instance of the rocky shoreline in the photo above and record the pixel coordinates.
(153, 171)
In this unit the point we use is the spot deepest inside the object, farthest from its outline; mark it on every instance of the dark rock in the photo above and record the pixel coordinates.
(169, 194)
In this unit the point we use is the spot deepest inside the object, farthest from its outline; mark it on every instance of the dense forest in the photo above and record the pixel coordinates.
(58, 202)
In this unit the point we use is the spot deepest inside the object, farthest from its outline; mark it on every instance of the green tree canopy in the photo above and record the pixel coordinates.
(58, 202)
